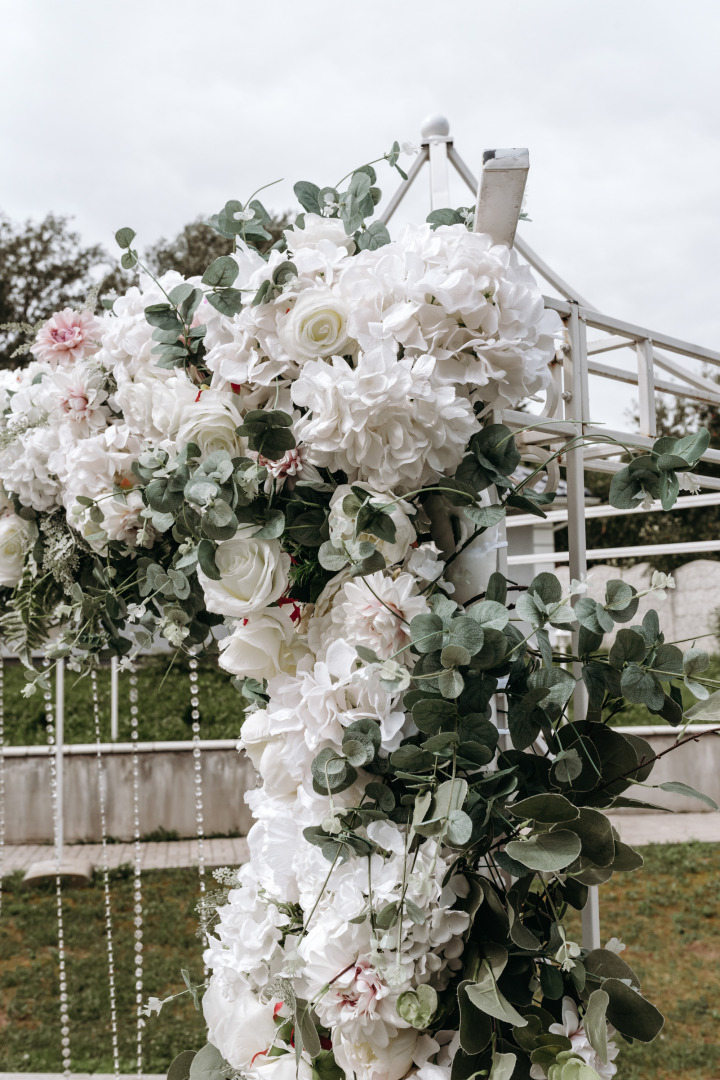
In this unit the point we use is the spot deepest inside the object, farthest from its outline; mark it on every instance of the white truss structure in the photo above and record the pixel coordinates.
(567, 411)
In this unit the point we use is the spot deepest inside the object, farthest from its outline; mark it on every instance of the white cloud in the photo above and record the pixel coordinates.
(149, 113)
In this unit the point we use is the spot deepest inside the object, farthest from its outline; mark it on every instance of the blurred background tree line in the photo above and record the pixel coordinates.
(45, 266)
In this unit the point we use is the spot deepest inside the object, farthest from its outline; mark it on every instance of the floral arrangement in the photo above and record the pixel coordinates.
(289, 465)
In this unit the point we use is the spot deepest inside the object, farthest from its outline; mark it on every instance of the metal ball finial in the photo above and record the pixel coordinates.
(435, 126)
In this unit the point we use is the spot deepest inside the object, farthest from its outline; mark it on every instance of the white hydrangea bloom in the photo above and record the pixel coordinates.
(384, 421)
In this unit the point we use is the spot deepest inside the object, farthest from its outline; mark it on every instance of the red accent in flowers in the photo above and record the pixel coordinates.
(295, 613)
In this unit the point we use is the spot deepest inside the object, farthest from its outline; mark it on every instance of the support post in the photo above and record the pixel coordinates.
(59, 758)
(114, 699)
(436, 137)
(646, 388)
(78, 869)
(500, 195)
(577, 409)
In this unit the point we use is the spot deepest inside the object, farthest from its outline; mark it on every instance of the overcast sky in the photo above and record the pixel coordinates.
(123, 112)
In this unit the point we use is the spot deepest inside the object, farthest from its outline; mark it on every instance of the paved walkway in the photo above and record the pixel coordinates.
(650, 828)
(155, 856)
(635, 829)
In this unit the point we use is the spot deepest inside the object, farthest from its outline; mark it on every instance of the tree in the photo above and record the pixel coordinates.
(44, 266)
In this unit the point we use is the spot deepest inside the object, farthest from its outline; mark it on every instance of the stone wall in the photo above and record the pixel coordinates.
(167, 792)
(167, 788)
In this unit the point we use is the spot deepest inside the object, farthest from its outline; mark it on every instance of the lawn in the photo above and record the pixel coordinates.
(666, 914)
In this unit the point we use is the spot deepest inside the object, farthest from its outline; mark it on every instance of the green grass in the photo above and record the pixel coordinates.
(29, 1004)
(667, 915)
(164, 700)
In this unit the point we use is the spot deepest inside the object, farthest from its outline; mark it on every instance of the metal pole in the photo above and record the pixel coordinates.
(646, 388)
(402, 191)
(114, 699)
(577, 409)
(59, 756)
(436, 136)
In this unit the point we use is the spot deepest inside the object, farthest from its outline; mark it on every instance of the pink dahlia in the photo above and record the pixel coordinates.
(67, 336)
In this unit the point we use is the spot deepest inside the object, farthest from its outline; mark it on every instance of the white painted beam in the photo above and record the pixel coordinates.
(692, 547)
(500, 196)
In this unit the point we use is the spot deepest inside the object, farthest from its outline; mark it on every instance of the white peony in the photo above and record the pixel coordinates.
(262, 646)
(384, 421)
(342, 525)
(153, 405)
(316, 325)
(96, 464)
(374, 611)
(253, 575)
(368, 1061)
(14, 540)
(80, 400)
(239, 1024)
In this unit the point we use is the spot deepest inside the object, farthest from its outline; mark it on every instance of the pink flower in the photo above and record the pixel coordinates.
(67, 336)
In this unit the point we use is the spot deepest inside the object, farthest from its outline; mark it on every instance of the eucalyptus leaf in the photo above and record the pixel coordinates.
(208, 1064)
(486, 997)
(549, 809)
(631, 1013)
(546, 852)
(503, 1066)
(417, 1007)
(180, 1066)
(676, 787)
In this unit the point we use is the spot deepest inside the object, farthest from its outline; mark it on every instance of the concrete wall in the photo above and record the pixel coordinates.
(167, 787)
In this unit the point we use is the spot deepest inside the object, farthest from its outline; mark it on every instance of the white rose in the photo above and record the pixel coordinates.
(210, 421)
(240, 1026)
(280, 1068)
(253, 575)
(13, 545)
(316, 325)
(262, 646)
(342, 527)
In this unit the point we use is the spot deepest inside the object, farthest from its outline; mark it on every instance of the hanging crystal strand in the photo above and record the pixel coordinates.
(2, 775)
(197, 765)
(64, 1015)
(106, 880)
(137, 884)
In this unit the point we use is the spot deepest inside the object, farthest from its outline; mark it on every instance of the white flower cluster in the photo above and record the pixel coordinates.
(387, 351)
(381, 356)
(382, 362)
(295, 916)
